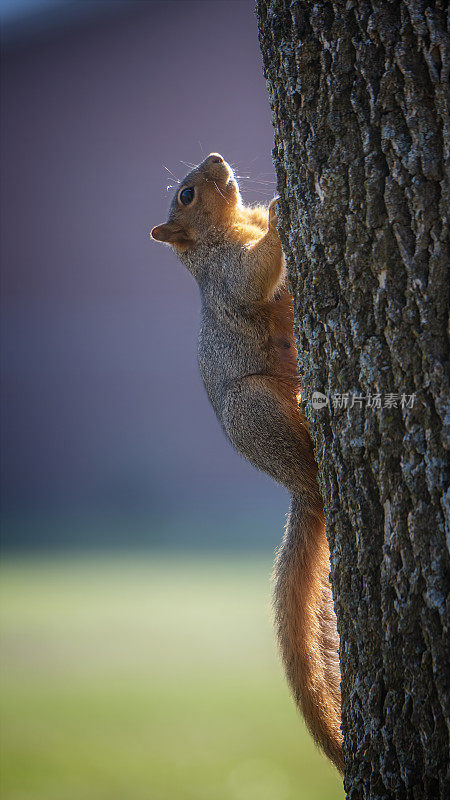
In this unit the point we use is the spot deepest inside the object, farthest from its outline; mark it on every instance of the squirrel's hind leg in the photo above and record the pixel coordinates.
(262, 420)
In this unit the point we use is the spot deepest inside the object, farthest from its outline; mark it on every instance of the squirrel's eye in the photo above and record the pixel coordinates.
(186, 196)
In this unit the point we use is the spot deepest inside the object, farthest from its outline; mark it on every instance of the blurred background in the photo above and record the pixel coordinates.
(138, 657)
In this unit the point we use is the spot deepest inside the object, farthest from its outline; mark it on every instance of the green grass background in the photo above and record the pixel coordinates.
(148, 677)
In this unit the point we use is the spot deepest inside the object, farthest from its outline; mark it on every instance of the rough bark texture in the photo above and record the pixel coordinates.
(359, 93)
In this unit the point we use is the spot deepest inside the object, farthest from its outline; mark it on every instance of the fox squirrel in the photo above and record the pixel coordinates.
(248, 362)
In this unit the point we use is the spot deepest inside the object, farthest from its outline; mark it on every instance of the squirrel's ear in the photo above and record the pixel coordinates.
(171, 233)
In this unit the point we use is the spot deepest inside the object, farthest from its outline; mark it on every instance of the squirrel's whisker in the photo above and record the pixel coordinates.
(257, 189)
(256, 180)
(171, 173)
(222, 195)
(188, 164)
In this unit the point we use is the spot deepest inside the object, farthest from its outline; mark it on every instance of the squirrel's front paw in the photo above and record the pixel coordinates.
(273, 216)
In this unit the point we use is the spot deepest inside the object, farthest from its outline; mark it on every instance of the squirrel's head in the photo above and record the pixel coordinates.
(206, 200)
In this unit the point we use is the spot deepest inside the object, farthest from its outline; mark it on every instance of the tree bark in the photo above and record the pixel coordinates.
(359, 95)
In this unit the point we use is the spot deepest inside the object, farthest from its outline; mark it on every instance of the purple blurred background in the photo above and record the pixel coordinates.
(107, 434)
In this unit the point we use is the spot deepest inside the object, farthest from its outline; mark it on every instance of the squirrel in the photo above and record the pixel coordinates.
(248, 362)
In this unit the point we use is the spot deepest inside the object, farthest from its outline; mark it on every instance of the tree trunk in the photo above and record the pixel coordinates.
(359, 94)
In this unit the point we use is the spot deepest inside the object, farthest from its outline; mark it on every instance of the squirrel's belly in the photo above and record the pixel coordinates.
(225, 356)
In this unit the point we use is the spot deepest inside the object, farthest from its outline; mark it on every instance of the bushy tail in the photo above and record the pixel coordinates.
(306, 625)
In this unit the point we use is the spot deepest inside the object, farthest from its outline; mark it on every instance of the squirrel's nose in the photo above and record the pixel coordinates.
(214, 158)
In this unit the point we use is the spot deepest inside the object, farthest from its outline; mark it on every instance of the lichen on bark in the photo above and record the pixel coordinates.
(359, 95)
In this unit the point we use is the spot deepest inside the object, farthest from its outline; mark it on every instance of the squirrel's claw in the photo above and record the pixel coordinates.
(273, 214)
